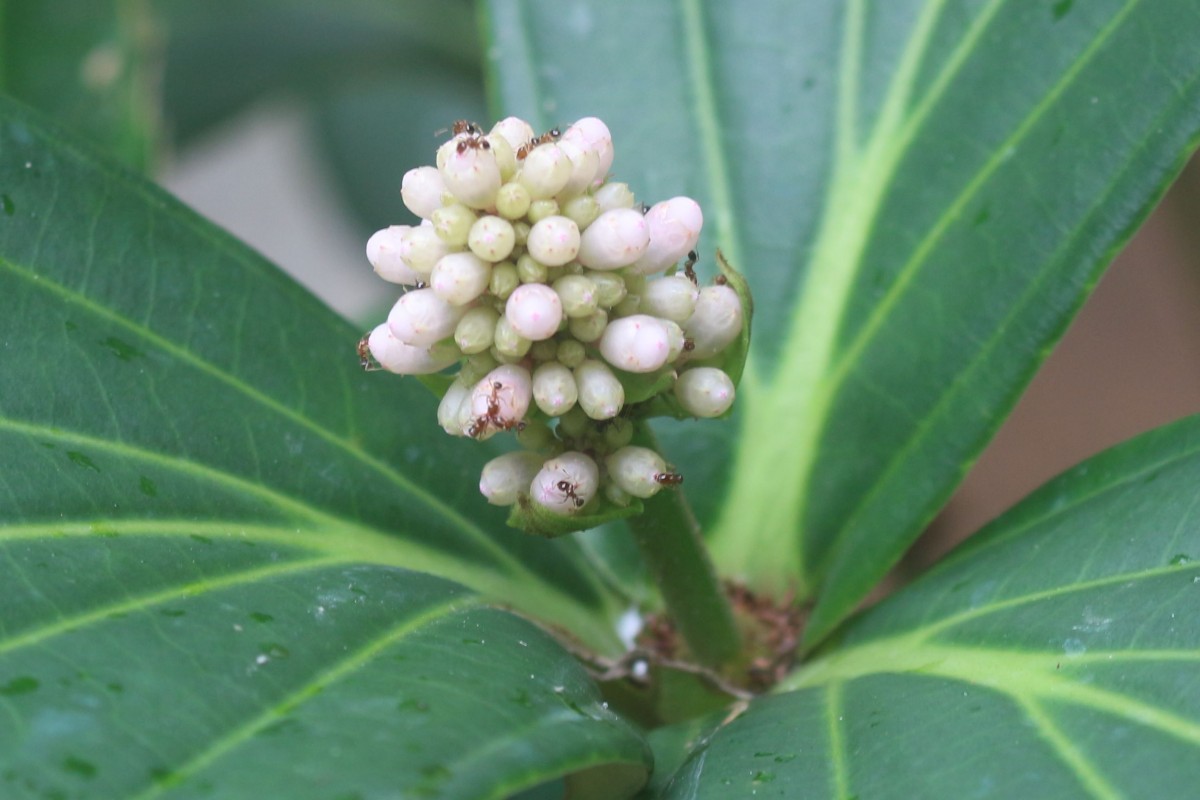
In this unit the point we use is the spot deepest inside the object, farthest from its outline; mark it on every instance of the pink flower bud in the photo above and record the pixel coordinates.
(554, 241)
(616, 239)
(534, 310)
(566, 484)
(639, 343)
(584, 163)
(593, 134)
(674, 230)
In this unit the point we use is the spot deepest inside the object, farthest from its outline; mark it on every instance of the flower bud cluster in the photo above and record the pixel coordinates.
(555, 292)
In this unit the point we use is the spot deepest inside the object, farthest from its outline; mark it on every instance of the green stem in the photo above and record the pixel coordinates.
(669, 538)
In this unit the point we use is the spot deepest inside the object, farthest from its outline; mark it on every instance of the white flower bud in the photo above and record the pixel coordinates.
(715, 323)
(515, 131)
(554, 241)
(475, 332)
(491, 238)
(594, 135)
(601, 395)
(421, 318)
(534, 310)
(421, 248)
(705, 392)
(383, 251)
(616, 239)
(546, 171)
(470, 171)
(566, 484)
(675, 339)
(634, 470)
(584, 163)
(499, 401)
(459, 278)
(614, 195)
(506, 156)
(673, 297)
(405, 359)
(422, 190)
(449, 413)
(554, 389)
(636, 344)
(674, 230)
(506, 477)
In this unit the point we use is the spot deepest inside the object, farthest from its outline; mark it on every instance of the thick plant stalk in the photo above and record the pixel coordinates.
(669, 538)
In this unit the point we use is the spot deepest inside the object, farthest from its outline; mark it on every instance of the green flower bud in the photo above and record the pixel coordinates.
(590, 328)
(705, 392)
(491, 238)
(571, 353)
(508, 342)
(634, 469)
(582, 210)
(541, 209)
(505, 279)
(531, 270)
(476, 330)
(512, 201)
(610, 287)
(601, 395)
(573, 424)
(578, 295)
(554, 389)
(453, 223)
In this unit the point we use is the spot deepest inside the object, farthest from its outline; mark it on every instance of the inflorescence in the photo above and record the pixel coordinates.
(560, 298)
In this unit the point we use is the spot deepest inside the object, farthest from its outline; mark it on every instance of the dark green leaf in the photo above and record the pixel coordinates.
(92, 65)
(921, 193)
(1055, 655)
(230, 664)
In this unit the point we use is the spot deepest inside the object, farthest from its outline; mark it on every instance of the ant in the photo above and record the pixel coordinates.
(552, 135)
(668, 478)
(689, 345)
(461, 126)
(690, 273)
(568, 489)
(472, 142)
(365, 359)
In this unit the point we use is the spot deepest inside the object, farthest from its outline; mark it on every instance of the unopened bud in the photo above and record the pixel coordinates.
(578, 295)
(453, 223)
(674, 230)
(405, 359)
(601, 395)
(554, 241)
(634, 469)
(554, 389)
(546, 171)
(422, 190)
(383, 251)
(471, 172)
(459, 278)
(715, 323)
(594, 135)
(639, 343)
(420, 318)
(512, 201)
(515, 131)
(616, 239)
(450, 410)
(421, 248)
(500, 400)
(476, 330)
(566, 483)
(506, 477)
(673, 297)
(534, 311)
(614, 195)
(705, 392)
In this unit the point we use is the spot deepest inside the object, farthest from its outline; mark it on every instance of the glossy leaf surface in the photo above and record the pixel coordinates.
(921, 194)
(1055, 655)
(210, 518)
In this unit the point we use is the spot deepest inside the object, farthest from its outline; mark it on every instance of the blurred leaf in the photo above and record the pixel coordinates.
(92, 65)
(918, 218)
(225, 54)
(1055, 655)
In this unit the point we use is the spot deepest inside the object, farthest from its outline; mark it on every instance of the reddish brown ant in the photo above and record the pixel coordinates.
(668, 478)
(492, 418)
(688, 272)
(365, 359)
(461, 126)
(689, 345)
(568, 489)
(552, 135)
(472, 142)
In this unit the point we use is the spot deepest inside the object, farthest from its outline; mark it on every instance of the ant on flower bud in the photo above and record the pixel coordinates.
(552, 135)
(568, 490)
(365, 359)
(689, 345)
(473, 142)
(668, 478)
(461, 126)
(692, 258)
(492, 417)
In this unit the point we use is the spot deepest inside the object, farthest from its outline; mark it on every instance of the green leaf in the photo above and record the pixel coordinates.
(920, 193)
(185, 429)
(228, 666)
(93, 66)
(1054, 655)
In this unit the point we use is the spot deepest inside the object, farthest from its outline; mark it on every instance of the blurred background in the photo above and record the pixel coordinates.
(291, 123)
